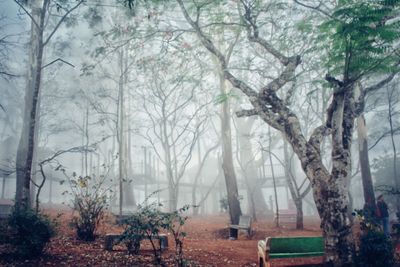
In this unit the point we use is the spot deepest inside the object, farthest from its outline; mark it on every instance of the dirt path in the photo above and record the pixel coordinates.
(207, 244)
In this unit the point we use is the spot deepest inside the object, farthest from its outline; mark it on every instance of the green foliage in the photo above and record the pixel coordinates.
(27, 232)
(145, 223)
(148, 222)
(361, 37)
(368, 220)
(173, 222)
(90, 201)
(385, 178)
(224, 204)
(375, 250)
(221, 98)
(375, 247)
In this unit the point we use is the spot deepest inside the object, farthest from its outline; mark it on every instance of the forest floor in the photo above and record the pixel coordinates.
(206, 244)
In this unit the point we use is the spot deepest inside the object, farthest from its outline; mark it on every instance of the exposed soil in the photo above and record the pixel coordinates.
(206, 244)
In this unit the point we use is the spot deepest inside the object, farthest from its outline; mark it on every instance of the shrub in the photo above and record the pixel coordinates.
(145, 223)
(173, 222)
(28, 232)
(375, 250)
(148, 222)
(90, 201)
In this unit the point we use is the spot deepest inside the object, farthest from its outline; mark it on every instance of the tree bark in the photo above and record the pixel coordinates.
(26, 144)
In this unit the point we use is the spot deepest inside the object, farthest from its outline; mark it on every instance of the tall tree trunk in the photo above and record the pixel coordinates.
(227, 157)
(257, 202)
(273, 179)
(120, 132)
(26, 143)
(369, 196)
(294, 191)
(396, 177)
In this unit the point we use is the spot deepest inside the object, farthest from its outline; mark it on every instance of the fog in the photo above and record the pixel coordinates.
(132, 99)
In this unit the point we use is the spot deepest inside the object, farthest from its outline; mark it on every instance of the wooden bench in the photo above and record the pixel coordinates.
(111, 239)
(289, 247)
(244, 224)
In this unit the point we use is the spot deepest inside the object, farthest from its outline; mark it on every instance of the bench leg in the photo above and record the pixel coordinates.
(233, 233)
(163, 242)
(109, 243)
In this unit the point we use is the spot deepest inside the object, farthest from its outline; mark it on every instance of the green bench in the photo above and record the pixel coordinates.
(289, 247)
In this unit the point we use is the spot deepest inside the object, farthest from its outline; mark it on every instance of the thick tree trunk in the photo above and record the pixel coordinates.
(299, 215)
(26, 143)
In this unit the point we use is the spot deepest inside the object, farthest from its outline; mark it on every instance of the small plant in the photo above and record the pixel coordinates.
(145, 223)
(90, 201)
(28, 232)
(223, 203)
(173, 223)
(148, 222)
(368, 219)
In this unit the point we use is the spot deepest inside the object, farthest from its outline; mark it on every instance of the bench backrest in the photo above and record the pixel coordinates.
(297, 244)
(245, 221)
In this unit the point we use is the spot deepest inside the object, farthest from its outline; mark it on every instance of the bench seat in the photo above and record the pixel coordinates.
(295, 255)
(289, 247)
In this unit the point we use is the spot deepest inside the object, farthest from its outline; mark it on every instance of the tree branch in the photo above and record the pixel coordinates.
(60, 21)
(58, 59)
(246, 113)
(26, 12)
(317, 8)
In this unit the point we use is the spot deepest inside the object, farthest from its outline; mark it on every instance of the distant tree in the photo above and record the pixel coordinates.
(176, 109)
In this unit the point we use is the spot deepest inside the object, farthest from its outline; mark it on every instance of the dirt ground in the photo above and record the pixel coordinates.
(206, 244)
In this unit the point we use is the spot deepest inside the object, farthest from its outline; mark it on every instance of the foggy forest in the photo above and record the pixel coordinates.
(199, 133)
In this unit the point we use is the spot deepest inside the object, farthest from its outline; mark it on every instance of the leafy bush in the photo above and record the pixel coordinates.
(28, 232)
(148, 222)
(368, 219)
(90, 201)
(173, 223)
(375, 250)
(145, 223)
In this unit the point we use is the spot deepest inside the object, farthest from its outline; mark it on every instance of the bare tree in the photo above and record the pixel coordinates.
(177, 118)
